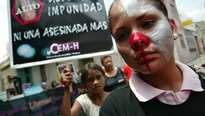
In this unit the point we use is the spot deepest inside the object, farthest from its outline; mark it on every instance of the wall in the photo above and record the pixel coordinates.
(200, 27)
(200, 38)
(5, 73)
(182, 52)
(36, 75)
(192, 27)
(51, 73)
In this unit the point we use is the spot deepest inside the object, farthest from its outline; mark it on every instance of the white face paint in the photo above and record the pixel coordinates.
(161, 35)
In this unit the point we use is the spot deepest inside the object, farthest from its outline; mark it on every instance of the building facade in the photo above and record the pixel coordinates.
(185, 46)
(5, 71)
(200, 29)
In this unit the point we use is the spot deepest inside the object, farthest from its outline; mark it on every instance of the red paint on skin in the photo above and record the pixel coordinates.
(145, 59)
(139, 41)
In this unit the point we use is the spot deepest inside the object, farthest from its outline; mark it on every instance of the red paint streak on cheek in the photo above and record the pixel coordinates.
(145, 59)
(147, 65)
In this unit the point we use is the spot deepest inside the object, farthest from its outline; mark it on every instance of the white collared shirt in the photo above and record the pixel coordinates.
(145, 92)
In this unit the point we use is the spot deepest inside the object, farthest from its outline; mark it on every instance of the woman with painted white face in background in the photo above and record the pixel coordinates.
(159, 86)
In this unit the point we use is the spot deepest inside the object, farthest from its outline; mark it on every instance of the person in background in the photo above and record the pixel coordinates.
(115, 77)
(128, 71)
(93, 78)
(54, 84)
(160, 86)
(44, 86)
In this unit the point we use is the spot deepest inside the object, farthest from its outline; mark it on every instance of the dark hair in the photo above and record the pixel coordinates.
(158, 3)
(103, 58)
(88, 67)
(52, 84)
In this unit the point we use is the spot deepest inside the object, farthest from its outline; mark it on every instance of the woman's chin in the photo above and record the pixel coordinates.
(150, 67)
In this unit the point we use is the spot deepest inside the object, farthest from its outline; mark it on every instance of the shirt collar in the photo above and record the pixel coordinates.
(145, 92)
(190, 79)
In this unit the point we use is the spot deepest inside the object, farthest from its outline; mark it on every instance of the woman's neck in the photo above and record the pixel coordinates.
(170, 78)
(111, 73)
(109, 70)
(98, 96)
(98, 99)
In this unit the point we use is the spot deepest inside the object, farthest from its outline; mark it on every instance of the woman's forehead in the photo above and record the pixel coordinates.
(108, 58)
(127, 8)
(117, 12)
(123, 8)
(93, 72)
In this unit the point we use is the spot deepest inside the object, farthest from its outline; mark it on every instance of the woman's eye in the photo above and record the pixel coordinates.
(147, 24)
(122, 36)
(99, 77)
(90, 80)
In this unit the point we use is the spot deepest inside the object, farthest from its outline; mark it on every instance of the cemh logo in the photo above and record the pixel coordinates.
(29, 11)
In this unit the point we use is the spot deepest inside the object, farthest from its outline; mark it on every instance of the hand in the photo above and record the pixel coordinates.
(29, 15)
(67, 77)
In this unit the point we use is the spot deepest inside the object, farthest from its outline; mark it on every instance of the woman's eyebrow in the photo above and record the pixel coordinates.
(140, 16)
(120, 28)
(137, 19)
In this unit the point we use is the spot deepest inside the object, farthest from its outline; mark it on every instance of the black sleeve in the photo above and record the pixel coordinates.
(109, 107)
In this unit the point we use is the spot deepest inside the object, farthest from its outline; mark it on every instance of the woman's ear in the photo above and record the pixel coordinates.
(174, 28)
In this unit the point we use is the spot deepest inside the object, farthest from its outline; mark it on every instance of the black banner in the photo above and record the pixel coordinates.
(43, 104)
(44, 30)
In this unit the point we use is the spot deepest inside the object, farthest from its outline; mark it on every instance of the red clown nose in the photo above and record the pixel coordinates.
(139, 41)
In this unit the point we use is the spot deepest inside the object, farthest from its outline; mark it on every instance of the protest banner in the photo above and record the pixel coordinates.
(46, 103)
(17, 107)
(47, 31)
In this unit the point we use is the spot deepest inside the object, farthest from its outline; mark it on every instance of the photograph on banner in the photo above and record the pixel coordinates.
(61, 67)
(47, 31)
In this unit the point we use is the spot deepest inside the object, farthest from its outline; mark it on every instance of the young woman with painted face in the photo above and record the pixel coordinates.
(115, 77)
(94, 79)
(159, 86)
